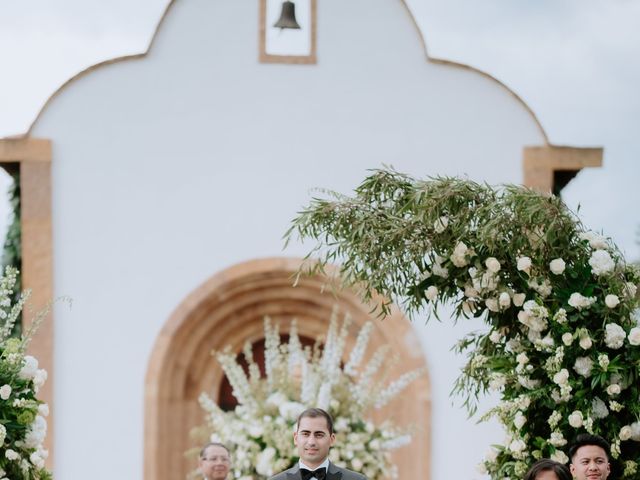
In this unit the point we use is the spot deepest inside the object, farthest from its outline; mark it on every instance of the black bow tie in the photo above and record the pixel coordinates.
(320, 473)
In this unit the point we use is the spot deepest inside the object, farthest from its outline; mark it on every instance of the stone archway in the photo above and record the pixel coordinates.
(228, 309)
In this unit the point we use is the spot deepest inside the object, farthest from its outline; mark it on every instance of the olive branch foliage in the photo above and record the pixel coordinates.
(384, 238)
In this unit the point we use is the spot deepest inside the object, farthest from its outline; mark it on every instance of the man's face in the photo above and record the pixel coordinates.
(590, 463)
(313, 440)
(216, 463)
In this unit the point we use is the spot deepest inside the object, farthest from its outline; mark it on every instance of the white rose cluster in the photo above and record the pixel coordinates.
(614, 336)
(601, 262)
(23, 455)
(578, 301)
(461, 254)
(534, 316)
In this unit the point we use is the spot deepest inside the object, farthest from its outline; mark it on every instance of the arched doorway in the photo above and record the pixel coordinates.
(228, 309)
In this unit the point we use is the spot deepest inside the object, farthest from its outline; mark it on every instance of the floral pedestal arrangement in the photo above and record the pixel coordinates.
(260, 429)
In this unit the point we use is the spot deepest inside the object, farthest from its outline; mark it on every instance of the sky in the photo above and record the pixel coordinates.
(576, 63)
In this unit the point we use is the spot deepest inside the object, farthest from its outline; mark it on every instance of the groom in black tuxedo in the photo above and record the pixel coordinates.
(314, 437)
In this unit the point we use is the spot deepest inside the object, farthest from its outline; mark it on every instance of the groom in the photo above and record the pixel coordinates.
(314, 437)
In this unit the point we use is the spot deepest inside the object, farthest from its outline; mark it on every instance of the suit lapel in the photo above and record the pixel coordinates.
(294, 473)
(333, 472)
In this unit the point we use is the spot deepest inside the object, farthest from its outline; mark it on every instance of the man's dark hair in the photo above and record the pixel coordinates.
(315, 413)
(585, 439)
(203, 452)
(547, 465)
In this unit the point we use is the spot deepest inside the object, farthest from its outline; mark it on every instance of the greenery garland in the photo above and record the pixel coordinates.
(562, 345)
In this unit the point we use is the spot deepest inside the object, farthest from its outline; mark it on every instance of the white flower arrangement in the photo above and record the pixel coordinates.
(259, 431)
(22, 424)
(569, 342)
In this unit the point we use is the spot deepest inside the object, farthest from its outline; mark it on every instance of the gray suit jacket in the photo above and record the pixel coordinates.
(333, 473)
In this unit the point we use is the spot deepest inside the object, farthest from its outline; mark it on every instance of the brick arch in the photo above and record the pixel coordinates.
(228, 309)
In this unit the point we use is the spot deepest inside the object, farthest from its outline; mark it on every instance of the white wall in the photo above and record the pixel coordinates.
(170, 168)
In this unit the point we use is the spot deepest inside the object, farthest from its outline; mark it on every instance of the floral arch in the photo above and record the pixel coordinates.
(228, 309)
(562, 343)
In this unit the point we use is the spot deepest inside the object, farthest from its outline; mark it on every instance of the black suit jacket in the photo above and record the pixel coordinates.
(333, 473)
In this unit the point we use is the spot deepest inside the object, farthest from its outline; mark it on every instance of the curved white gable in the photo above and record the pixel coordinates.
(171, 167)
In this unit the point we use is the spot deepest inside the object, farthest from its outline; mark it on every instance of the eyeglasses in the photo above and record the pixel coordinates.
(217, 459)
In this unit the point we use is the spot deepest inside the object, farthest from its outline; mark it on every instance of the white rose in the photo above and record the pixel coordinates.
(585, 342)
(504, 300)
(264, 464)
(595, 240)
(524, 264)
(36, 459)
(29, 368)
(432, 293)
(560, 457)
(562, 377)
(5, 392)
(547, 341)
(492, 304)
(36, 432)
(634, 336)
(518, 299)
(614, 335)
(635, 431)
(497, 382)
(630, 290)
(557, 266)
(458, 257)
(613, 389)
(522, 358)
(495, 336)
(567, 338)
(39, 378)
(517, 446)
(575, 419)
(519, 420)
(578, 301)
(439, 270)
(492, 455)
(611, 301)
(493, 265)
(625, 433)
(601, 262)
(11, 454)
(583, 366)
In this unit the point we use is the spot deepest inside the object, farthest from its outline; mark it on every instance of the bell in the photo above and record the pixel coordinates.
(287, 16)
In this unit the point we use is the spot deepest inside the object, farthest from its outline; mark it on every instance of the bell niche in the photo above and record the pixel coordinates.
(288, 31)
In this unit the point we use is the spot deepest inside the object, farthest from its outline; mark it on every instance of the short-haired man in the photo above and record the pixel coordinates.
(589, 456)
(314, 437)
(215, 461)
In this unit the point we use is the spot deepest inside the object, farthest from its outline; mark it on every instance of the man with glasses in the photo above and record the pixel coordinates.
(215, 461)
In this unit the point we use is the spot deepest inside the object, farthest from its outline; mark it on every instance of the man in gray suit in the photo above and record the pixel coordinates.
(314, 437)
